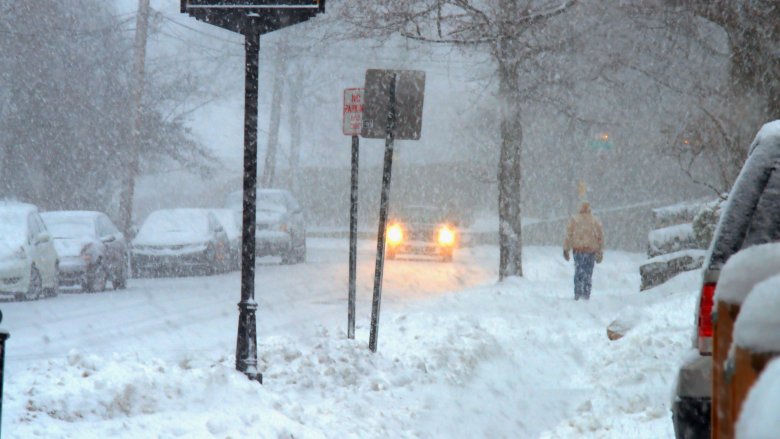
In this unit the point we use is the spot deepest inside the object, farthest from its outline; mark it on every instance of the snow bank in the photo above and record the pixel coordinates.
(519, 358)
(758, 418)
(758, 326)
(745, 269)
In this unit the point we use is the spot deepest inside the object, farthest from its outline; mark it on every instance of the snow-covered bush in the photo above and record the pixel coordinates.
(705, 221)
(671, 239)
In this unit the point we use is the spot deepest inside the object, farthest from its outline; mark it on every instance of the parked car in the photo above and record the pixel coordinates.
(181, 241)
(230, 220)
(28, 261)
(422, 230)
(91, 249)
(750, 216)
(280, 224)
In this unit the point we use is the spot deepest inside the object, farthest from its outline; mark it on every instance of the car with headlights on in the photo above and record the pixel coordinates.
(92, 251)
(422, 230)
(28, 261)
(182, 241)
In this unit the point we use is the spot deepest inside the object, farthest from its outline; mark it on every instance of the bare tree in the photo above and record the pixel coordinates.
(519, 36)
(721, 57)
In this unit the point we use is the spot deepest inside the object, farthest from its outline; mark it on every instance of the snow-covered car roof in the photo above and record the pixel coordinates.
(745, 269)
(182, 225)
(745, 221)
(13, 223)
(71, 223)
(16, 207)
(265, 197)
(757, 328)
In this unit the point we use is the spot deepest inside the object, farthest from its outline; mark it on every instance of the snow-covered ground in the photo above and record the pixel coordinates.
(459, 354)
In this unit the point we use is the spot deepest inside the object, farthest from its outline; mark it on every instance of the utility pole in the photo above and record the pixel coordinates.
(128, 184)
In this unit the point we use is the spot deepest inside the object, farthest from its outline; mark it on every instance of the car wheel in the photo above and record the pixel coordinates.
(96, 281)
(211, 261)
(119, 280)
(34, 288)
(52, 292)
(288, 258)
(301, 254)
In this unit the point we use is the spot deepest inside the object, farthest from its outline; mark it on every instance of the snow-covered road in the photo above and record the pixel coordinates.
(459, 355)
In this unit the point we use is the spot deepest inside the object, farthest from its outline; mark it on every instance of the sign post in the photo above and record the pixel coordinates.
(352, 124)
(250, 18)
(3, 337)
(398, 96)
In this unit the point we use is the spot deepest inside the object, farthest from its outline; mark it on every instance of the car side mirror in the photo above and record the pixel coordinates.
(42, 237)
(107, 239)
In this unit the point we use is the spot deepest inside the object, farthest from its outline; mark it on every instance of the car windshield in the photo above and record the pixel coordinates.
(271, 201)
(176, 221)
(69, 227)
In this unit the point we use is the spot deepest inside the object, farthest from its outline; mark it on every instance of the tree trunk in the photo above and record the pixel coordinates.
(269, 170)
(510, 165)
(131, 171)
(293, 108)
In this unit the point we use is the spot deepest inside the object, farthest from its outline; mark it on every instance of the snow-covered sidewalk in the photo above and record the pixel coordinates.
(459, 355)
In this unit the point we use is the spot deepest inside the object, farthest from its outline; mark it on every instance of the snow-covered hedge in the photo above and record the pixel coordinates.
(671, 239)
(661, 268)
(705, 221)
(675, 214)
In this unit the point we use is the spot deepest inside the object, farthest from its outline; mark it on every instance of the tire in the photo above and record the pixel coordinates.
(52, 292)
(119, 280)
(211, 261)
(34, 288)
(300, 257)
(96, 281)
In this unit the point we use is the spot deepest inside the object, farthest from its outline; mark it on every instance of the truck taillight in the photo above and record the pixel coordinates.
(705, 318)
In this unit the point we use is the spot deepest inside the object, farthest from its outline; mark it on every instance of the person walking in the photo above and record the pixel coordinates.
(585, 237)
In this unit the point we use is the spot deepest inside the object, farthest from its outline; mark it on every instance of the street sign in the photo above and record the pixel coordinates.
(409, 92)
(352, 122)
(255, 16)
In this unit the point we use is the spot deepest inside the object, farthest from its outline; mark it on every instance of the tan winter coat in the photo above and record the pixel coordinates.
(584, 233)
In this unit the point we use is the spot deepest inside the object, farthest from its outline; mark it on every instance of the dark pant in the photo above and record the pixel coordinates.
(583, 272)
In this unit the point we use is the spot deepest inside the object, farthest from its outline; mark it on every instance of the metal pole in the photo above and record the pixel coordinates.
(246, 343)
(353, 214)
(4, 335)
(383, 208)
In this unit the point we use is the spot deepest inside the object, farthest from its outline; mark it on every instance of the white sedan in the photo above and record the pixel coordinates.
(28, 261)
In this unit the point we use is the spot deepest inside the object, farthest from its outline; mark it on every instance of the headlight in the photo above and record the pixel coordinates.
(446, 236)
(86, 253)
(395, 234)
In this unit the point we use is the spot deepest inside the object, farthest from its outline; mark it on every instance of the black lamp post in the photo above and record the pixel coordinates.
(250, 18)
